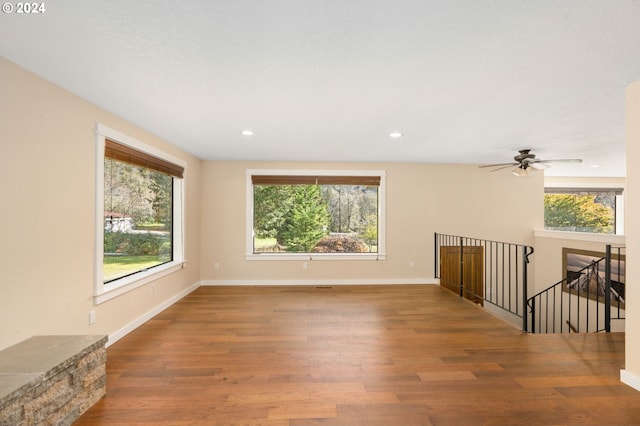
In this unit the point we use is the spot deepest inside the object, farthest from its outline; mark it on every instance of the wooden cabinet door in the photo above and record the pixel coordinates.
(472, 270)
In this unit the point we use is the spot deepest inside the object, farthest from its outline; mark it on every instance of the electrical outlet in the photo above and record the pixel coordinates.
(216, 265)
(153, 289)
(92, 317)
(305, 265)
(412, 264)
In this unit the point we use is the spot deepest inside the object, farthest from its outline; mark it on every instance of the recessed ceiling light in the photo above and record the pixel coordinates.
(247, 132)
(395, 135)
(595, 166)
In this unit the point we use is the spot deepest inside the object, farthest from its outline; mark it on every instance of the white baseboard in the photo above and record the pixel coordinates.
(390, 281)
(630, 379)
(114, 337)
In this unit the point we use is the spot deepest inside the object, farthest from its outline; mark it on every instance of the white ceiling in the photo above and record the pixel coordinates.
(465, 81)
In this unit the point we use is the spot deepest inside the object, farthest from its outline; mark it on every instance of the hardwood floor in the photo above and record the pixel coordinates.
(356, 355)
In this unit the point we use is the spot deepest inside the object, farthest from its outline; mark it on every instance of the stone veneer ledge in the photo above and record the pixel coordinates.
(51, 379)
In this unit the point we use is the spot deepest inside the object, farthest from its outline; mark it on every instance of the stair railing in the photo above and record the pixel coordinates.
(505, 271)
(582, 302)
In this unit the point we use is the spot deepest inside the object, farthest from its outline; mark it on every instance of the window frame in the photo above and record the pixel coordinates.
(249, 253)
(107, 291)
(593, 187)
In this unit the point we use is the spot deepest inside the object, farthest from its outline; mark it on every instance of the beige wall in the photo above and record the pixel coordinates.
(632, 358)
(421, 199)
(548, 255)
(549, 270)
(578, 182)
(47, 214)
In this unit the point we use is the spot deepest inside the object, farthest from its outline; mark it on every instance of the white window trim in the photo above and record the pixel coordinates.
(381, 255)
(619, 199)
(101, 291)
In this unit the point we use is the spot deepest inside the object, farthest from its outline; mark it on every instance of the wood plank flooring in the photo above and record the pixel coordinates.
(356, 355)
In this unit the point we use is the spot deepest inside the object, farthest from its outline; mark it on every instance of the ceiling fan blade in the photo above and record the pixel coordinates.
(503, 166)
(526, 163)
(499, 165)
(565, 160)
(538, 165)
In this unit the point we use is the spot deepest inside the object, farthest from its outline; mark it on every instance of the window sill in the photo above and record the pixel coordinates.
(581, 236)
(126, 284)
(315, 256)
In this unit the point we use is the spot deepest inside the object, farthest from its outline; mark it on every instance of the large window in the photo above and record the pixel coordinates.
(595, 210)
(315, 214)
(140, 213)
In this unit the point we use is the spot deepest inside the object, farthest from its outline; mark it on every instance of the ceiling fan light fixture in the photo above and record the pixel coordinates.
(524, 171)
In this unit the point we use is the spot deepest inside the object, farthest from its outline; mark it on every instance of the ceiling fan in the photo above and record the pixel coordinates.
(525, 163)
